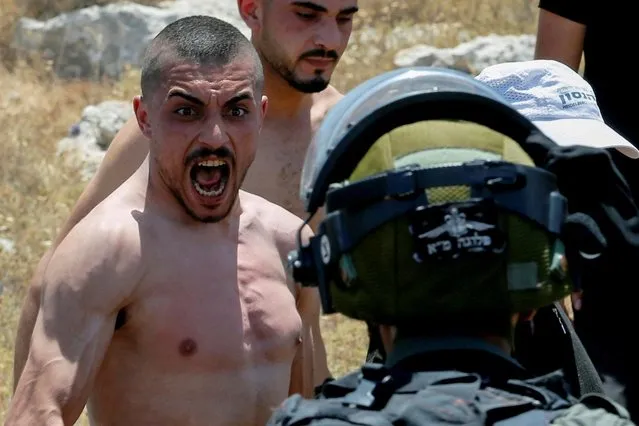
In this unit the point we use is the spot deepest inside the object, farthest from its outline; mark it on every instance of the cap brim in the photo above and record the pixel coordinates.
(570, 132)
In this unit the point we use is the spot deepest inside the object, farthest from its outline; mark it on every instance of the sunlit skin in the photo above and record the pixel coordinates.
(282, 32)
(214, 331)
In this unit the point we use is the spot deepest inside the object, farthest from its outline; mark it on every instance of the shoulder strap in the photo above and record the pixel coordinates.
(337, 388)
(375, 386)
(579, 368)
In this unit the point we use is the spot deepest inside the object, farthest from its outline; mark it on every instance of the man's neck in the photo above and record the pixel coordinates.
(284, 101)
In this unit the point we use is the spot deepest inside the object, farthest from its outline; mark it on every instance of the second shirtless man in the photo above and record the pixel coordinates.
(189, 269)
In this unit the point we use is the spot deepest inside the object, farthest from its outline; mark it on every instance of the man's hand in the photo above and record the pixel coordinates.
(602, 226)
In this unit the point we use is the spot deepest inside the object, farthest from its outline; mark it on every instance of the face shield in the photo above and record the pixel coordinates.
(417, 84)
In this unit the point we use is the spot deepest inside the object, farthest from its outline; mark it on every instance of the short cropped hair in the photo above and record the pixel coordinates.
(202, 40)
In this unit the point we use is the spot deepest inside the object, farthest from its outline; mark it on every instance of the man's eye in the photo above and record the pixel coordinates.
(306, 16)
(185, 111)
(238, 112)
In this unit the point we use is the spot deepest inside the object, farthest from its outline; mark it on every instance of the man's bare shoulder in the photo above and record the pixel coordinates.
(108, 233)
(325, 100)
(268, 212)
(281, 223)
(329, 96)
(99, 262)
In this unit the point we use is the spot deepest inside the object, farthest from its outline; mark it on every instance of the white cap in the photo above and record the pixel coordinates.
(558, 101)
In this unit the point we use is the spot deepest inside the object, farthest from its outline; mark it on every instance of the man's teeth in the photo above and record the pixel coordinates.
(211, 163)
(211, 193)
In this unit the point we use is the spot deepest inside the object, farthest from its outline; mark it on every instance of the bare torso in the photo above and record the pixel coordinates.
(210, 336)
(276, 171)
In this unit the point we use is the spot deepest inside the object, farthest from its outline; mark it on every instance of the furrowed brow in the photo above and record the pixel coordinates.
(310, 5)
(239, 98)
(349, 11)
(186, 96)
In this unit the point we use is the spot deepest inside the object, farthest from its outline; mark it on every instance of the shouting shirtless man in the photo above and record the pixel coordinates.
(168, 303)
(299, 43)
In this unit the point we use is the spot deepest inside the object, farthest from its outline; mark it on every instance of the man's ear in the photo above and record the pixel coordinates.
(142, 115)
(251, 13)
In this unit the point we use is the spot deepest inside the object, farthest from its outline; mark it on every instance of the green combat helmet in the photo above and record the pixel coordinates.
(431, 204)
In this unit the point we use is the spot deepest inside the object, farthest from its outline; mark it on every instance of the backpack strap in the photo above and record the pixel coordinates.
(578, 368)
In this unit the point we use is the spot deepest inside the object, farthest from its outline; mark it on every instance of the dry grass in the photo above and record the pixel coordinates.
(37, 189)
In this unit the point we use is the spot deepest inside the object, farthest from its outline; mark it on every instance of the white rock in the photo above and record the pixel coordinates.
(472, 56)
(103, 40)
(90, 137)
(7, 245)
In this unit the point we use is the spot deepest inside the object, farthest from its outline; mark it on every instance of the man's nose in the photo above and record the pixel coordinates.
(328, 35)
(213, 133)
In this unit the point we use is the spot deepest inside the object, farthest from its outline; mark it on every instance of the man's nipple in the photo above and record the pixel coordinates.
(187, 347)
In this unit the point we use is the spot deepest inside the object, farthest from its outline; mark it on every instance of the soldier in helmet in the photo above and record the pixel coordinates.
(443, 223)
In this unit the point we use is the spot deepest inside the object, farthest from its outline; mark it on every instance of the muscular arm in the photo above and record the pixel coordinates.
(560, 39)
(310, 367)
(90, 277)
(125, 154)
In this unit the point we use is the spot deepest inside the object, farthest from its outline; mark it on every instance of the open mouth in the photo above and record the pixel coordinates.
(209, 177)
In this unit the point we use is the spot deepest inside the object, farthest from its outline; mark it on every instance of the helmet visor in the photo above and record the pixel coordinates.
(372, 95)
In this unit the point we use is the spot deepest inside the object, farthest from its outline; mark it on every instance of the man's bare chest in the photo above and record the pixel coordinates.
(219, 308)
